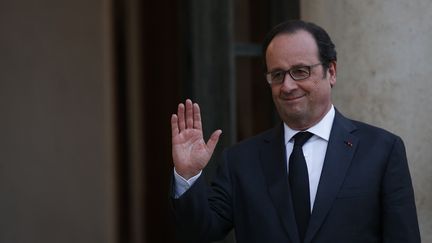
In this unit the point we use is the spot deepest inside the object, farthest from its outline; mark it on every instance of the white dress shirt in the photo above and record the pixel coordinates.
(181, 185)
(314, 151)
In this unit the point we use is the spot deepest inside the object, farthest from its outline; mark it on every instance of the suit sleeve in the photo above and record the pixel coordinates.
(399, 211)
(203, 213)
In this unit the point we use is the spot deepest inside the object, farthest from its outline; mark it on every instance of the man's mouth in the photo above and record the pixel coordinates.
(293, 98)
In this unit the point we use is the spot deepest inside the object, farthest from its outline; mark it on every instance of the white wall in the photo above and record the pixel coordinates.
(384, 75)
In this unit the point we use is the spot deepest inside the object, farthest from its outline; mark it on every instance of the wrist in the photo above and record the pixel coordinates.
(186, 174)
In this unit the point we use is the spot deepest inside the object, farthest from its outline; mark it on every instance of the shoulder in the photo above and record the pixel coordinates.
(369, 133)
(257, 140)
(249, 150)
(371, 130)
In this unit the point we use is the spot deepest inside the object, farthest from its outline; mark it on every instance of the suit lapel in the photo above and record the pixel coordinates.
(273, 161)
(340, 151)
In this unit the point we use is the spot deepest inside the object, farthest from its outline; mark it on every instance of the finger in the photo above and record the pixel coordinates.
(189, 114)
(213, 140)
(197, 117)
(181, 117)
(174, 125)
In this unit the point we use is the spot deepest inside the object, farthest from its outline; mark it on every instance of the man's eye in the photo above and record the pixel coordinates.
(277, 75)
(300, 72)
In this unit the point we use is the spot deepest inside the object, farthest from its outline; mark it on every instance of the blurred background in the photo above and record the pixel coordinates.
(87, 89)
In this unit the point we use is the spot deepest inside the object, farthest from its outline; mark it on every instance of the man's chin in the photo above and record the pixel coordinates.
(293, 116)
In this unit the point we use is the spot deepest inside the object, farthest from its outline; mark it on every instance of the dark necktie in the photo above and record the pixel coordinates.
(299, 183)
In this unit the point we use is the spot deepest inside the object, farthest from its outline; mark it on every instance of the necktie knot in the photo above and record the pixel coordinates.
(301, 138)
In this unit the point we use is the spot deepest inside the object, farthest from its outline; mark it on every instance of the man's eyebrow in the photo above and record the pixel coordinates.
(299, 65)
(277, 69)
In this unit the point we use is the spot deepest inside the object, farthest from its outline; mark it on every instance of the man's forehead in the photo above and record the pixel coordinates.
(299, 37)
(299, 44)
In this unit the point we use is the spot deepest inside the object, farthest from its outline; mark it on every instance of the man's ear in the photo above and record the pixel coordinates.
(332, 73)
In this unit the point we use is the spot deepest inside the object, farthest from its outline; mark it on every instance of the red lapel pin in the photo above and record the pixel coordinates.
(348, 143)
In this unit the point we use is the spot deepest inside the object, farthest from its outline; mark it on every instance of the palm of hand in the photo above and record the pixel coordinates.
(189, 150)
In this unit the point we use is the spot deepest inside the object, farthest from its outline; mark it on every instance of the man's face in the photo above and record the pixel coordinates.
(301, 104)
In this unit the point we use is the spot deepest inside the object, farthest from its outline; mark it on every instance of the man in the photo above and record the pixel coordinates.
(317, 177)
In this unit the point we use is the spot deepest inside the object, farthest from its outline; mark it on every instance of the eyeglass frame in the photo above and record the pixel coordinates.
(289, 71)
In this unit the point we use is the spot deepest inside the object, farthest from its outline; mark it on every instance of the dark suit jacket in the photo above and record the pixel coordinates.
(364, 194)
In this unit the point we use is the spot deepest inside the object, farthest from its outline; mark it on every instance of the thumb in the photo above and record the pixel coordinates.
(213, 140)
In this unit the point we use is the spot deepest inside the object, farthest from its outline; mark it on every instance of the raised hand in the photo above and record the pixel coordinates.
(189, 150)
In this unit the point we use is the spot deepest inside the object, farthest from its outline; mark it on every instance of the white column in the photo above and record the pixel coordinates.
(384, 75)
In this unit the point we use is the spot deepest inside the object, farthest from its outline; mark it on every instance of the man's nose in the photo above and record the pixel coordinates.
(289, 83)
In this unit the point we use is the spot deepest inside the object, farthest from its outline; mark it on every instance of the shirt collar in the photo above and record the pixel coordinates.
(321, 129)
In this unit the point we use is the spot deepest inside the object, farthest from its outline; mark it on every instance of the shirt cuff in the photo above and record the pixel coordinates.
(181, 185)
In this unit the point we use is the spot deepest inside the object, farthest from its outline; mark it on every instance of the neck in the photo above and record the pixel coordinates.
(306, 123)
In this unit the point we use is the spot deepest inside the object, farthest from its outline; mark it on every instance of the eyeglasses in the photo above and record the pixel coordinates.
(297, 73)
